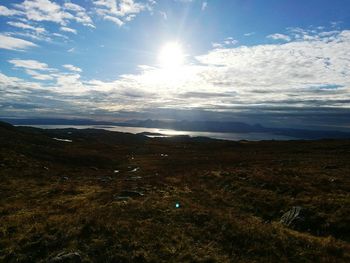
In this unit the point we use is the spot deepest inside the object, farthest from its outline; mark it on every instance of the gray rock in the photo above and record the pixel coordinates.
(134, 170)
(293, 216)
(64, 257)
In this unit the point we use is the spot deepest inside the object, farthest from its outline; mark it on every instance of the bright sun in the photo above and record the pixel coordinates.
(171, 56)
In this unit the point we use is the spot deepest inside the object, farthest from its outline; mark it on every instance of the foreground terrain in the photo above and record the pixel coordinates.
(99, 196)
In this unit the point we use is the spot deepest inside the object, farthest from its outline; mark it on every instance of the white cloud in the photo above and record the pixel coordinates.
(163, 15)
(38, 30)
(303, 73)
(60, 36)
(204, 5)
(29, 64)
(39, 76)
(32, 35)
(4, 11)
(12, 43)
(46, 10)
(68, 29)
(120, 8)
(8, 81)
(121, 11)
(249, 34)
(278, 36)
(229, 41)
(74, 7)
(217, 45)
(115, 20)
(72, 68)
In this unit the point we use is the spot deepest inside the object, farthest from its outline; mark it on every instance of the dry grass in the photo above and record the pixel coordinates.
(57, 196)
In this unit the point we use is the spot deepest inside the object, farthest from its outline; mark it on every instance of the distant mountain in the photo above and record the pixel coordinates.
(236, 127)
(50, 121)
(199, 126)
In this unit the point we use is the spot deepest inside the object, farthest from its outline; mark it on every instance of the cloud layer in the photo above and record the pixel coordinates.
(299, 70)
(309, 73)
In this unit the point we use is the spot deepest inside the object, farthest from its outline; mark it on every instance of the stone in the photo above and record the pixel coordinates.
(134, 170)
(291, 217)
(302, 219)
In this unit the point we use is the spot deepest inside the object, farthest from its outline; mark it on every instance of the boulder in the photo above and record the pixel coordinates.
(302, 219)
(294, 217)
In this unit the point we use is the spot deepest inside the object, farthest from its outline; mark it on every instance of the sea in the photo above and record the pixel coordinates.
(157, 132)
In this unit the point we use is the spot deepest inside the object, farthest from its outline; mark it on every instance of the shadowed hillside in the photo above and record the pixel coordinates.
(98, 196)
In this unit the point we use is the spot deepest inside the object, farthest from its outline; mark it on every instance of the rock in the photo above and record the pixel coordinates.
(64, 257)
(301, 219)
(62, 140)
(292, 217)
(134, 170)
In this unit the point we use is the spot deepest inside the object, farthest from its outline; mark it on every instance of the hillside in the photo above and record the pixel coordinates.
(99, 196)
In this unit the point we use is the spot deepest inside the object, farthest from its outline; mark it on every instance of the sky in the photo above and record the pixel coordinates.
(277, 63)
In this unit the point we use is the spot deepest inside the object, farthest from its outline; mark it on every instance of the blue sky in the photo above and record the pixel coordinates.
(280, 63)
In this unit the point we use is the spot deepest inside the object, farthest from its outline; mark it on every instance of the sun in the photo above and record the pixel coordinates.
(171, 56)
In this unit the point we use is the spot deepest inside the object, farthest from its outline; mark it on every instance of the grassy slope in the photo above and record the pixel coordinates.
(232, 195)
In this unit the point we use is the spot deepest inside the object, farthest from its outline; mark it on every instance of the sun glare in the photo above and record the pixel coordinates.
(171, 56)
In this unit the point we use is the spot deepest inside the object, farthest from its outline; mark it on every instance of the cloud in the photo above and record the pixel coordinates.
(306, 78)
(29, 12)
(229, 41)
(68, 29)
(4, 11)
(204, 5)
(278, 36)
(216, 45)
(163, 15)
(115, 20)
(12, 43)
(37, 75)
(46, 10)
(73, 7)
(72, 68)
(249, 34)
(121, 11)
(29, 64)
(38, 30)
